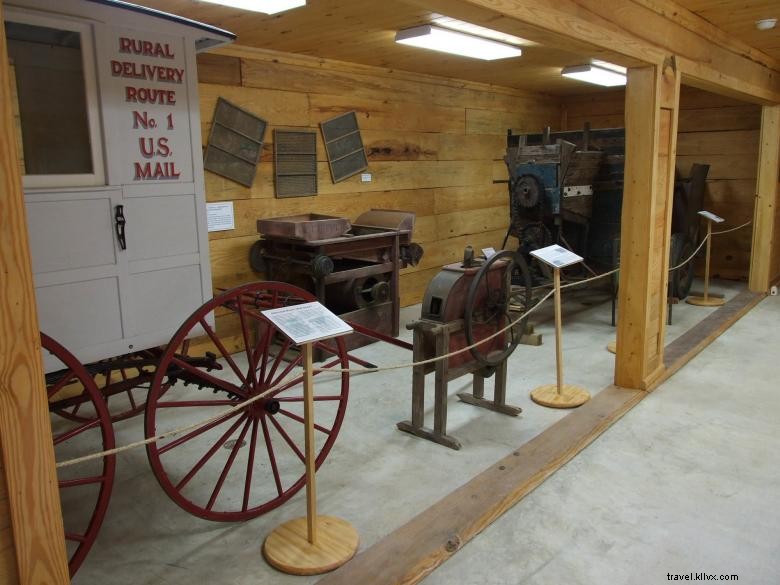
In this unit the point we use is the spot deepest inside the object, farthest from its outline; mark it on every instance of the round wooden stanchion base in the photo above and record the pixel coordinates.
(612, 347)
(708, 302)
(571, 396)
(288, 549)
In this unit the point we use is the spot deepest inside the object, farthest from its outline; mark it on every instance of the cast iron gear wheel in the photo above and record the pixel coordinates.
(527, 191)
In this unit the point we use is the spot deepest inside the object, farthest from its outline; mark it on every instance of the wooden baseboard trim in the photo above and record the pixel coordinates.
(408, 554)
(683, 349)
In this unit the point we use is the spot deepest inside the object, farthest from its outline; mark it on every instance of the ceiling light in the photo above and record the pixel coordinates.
(457, 43)
(475, 29)
(595, 74)
(265, 6)
(766, 23)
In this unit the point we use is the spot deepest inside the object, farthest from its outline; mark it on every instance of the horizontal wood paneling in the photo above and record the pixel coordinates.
(720, 131)
(433, 146)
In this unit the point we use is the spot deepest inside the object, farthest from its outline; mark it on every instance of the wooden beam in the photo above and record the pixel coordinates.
(638, 31)
(701, 26)
(413, 551)
(652, 98)
(765, 242)
(25, 431)
(694, 341)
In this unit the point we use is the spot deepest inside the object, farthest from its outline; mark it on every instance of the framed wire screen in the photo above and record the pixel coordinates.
(295, 156)
(235, 143)
(344, 146)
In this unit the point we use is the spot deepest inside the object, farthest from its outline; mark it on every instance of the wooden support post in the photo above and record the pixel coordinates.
(313, 544)
(652, 102)
(766, 245)
(35, 533)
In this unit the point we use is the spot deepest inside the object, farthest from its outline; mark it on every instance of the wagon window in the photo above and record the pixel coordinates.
(52, 104)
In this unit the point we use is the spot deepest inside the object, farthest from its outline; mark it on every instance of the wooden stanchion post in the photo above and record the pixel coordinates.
(313, 544)
(559, 395)
(706, 300)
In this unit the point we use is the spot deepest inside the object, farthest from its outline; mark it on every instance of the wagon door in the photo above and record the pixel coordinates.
(150, 88)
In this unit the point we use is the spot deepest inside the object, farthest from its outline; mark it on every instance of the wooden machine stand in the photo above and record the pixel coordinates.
(442, 334)
(463, 302)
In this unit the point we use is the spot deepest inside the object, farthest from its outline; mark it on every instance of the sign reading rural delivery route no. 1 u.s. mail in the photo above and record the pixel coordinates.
(149, 81)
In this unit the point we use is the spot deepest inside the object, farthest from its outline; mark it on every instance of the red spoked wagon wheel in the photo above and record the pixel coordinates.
(85, 488)
(248, 461)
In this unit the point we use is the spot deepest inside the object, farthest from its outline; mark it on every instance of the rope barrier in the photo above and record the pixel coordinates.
(238, 407)
(172, 433)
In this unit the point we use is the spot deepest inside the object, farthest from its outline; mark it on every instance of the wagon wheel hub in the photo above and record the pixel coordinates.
(271, 406)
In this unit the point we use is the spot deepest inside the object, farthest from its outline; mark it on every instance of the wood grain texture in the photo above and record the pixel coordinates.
(413, 551)
(712, 129)
(765, 240)
(434, 147)
(644, 228)
(25, 432)
(219, 69)
(8, 572)
(288, 549)
(690, 344)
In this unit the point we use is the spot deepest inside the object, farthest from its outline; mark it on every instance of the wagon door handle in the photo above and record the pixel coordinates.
(120, 221)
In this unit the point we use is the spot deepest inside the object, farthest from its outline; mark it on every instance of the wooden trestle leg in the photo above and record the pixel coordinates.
(440, 332)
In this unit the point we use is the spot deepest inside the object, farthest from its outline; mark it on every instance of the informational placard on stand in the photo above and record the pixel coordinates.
(307, 322)
(711, 216)
(312, 544)
(556, 256)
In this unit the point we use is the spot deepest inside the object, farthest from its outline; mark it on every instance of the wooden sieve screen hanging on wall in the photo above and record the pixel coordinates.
(235, 143)
(295, 157)
(344, 146)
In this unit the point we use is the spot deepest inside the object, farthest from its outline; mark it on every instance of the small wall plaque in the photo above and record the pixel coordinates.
(235, 143)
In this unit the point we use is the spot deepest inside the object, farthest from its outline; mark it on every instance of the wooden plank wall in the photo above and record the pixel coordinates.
(713, 129)
(434, 146)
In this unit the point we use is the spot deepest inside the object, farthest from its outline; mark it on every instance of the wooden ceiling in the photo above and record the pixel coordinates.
(738, 18)
(362, 31)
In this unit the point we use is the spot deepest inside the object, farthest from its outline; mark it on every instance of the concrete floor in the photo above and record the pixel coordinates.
(687, 482)
(648, 488)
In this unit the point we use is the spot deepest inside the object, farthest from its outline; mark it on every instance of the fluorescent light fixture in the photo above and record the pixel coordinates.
(265, 6)
(595, 74)
(449, 41)
(480, 31)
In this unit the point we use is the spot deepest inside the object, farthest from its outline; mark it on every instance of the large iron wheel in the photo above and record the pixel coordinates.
(85, 488)
(488, 310)
(251, 460)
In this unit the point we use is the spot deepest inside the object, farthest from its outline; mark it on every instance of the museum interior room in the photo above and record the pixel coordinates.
(520, 257)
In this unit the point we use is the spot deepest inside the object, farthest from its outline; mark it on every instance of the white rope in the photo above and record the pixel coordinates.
(233, 409)
(739, 227)
(172, 433)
